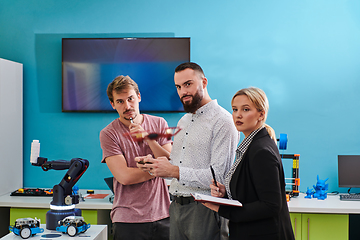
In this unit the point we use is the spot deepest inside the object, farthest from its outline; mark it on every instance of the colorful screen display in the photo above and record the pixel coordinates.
(90, 64)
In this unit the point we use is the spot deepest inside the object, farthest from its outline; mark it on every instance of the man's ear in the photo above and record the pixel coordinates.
(112, 104)
(139, 96)
(204, 82)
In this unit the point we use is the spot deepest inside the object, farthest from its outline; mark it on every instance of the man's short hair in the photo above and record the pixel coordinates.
(190, 65)
(119, 84)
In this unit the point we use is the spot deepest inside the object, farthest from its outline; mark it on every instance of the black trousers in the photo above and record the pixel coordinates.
(158, 230)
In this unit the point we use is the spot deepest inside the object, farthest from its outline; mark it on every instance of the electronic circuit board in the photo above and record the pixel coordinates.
(37, 192)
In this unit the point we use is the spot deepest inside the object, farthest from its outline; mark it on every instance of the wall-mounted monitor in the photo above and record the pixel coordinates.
(90, 64)
(348, 171)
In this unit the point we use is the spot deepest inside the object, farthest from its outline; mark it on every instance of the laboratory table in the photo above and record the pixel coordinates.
(346, 212)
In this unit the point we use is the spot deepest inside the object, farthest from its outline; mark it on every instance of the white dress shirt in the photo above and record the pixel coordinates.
(207, 137)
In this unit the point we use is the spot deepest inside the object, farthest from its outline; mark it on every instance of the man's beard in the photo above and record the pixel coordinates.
(194, 104)
(128, 119)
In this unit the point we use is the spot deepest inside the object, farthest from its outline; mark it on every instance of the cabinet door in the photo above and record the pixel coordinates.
(39, 213)
(324, 226)
(90, 216)
(296, 224)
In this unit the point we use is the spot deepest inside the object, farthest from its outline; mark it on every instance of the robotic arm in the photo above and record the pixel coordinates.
(64, 200)
(62, 192)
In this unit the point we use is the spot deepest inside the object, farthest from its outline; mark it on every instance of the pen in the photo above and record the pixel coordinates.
(213, 174)
(131, 120)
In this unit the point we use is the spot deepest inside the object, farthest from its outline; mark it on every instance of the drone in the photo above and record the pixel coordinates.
(140, 136)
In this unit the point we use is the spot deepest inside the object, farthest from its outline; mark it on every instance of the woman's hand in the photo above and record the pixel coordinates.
(212, 206)
(217, 191)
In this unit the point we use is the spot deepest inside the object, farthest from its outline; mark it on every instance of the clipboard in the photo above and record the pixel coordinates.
(221, 201)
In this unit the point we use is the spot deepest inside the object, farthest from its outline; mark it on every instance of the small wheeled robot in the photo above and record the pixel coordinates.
(26, 227)
(72, 225)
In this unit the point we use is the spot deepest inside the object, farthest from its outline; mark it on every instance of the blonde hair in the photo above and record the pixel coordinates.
(259, 99)
(271, 132)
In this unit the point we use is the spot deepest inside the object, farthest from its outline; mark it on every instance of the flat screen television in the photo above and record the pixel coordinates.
(348, 171)
(90, 64)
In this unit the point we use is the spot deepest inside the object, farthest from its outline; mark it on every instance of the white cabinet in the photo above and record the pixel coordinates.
(11, 126)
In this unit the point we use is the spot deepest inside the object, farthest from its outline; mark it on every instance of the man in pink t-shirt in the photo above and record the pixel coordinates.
(141, 201)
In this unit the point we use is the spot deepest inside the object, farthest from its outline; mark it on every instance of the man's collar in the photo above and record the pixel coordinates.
(206, 107)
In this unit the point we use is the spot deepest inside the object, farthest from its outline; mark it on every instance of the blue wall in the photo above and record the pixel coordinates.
(303, 54)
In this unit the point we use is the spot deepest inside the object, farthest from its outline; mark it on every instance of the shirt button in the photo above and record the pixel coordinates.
(183, 147)
(180, 161)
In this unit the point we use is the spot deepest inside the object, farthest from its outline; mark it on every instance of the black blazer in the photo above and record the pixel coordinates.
(259, 184)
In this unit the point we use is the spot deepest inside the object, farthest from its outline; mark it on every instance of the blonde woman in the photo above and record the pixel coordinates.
(256, 178)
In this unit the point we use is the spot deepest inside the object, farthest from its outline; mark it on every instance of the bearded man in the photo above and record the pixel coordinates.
(208, 138)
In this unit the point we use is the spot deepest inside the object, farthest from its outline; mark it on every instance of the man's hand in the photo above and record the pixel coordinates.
(159, 167)
(140, 162)
(137, 131)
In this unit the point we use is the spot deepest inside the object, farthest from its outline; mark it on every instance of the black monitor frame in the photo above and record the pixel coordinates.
(349, 171)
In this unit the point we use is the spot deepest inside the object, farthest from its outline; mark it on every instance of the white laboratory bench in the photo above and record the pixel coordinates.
(44, 201)
(97, 212)
(332, 204)
(324, 219)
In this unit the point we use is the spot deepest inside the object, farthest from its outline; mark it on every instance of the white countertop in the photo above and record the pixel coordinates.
(44, 202)
(331, 204)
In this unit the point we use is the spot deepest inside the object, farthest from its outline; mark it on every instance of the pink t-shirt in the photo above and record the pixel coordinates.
(143, 202)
